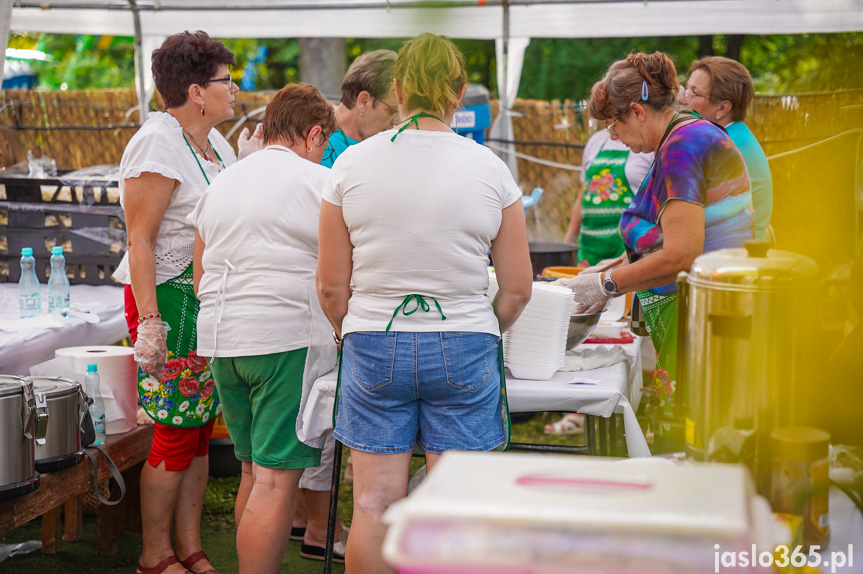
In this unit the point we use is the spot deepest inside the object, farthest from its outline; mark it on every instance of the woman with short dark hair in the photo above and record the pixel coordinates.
(255, 254)
(165, 169)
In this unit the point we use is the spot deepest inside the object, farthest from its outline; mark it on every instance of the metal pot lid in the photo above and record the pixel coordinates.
(54, 387)
(755, 267)
(11, 385)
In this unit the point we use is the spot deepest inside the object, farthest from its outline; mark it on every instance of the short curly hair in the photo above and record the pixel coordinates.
(184, 59)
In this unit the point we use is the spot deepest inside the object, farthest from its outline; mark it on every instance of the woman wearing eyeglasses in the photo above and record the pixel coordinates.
(694, 199)
(720, 89)
(165, 169)
(255, 254)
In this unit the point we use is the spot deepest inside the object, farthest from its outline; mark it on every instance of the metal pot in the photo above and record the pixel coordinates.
(545, 254)
(747, 352)
(18, 429)
(65, 404)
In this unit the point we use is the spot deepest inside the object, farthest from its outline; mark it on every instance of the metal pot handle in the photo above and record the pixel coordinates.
(41, 404)
(28, 411)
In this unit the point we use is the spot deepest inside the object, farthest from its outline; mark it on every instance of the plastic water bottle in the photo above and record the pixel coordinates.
(29, 291)
(97, 409)
(58, 285)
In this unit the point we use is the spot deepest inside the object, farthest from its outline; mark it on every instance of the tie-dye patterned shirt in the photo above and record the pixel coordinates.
(699, 164)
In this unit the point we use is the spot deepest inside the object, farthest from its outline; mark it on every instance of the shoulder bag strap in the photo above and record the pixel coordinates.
(115, 472)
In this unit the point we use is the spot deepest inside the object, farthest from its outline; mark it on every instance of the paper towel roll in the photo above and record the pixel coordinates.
(118, 380)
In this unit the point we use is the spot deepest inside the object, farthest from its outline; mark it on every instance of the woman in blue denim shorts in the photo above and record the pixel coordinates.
(410, 215)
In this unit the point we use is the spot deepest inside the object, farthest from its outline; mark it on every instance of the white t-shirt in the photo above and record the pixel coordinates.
(159, 147)
(260, 217)
(422, 212)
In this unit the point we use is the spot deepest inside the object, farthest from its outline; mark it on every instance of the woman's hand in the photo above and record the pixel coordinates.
(151, 349)
(247, 145)
(589, 292)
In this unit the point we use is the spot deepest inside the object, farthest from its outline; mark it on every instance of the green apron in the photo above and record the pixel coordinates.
(606, 195)
(184, 395)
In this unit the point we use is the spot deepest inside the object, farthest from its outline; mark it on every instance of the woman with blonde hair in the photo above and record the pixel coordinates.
(410, 214)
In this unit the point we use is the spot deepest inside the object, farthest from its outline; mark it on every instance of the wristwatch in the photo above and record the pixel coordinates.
(609, 285)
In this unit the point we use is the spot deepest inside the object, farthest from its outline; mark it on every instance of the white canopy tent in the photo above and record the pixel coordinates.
(152, 20)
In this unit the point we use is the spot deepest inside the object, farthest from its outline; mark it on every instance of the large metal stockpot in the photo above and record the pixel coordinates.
(65, 403)
(18, 428)
(748, 351)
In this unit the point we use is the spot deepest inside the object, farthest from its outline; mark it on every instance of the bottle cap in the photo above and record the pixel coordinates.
(27, 252)
(800, 444)
(57, 250)
(91, 368)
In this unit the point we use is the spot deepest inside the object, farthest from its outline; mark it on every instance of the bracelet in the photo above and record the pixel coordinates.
(149, 316)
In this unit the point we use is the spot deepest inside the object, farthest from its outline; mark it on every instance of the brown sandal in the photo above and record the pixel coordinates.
(158, 568)
(193, 559)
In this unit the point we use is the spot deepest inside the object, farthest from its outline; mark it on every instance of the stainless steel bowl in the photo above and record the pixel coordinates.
(580, 328)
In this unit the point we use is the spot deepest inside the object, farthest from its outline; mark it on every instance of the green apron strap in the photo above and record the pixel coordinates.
(413, 119)
(504, 415)
(421, 304)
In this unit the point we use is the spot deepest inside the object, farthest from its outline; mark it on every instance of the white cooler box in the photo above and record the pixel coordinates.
(503, 513)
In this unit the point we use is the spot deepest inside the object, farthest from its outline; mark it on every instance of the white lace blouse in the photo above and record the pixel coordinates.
(159, 147)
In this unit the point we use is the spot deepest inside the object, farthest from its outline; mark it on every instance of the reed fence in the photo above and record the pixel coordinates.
(812, 140)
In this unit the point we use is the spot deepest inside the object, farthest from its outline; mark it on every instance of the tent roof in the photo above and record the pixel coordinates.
(480, 19)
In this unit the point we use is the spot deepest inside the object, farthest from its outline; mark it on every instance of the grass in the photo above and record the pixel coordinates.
(218, 528)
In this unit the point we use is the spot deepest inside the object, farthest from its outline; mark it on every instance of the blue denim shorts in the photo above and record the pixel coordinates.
(441, 390)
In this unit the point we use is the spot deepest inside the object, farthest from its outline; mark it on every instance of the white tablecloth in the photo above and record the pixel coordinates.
(611, 390)
(97, 318)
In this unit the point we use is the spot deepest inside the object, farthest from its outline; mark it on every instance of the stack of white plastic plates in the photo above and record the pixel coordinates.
(535, 347)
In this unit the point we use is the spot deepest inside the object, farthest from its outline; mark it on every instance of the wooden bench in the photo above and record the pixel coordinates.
(65, 487)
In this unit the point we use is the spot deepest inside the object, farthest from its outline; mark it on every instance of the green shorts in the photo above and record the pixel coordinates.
(260, 401)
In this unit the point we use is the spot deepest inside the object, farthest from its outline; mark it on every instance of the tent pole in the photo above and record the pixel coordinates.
(502, 97)
(139, 64)
(5, 21)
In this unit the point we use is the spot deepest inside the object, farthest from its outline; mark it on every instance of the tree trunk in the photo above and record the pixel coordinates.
(323, 62)
(735, 42)
(705, 46)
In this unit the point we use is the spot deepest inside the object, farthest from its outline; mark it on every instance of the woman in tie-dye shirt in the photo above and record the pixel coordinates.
(695, 198)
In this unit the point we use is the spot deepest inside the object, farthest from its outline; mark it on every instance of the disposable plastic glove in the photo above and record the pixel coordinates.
(589, 292)
(151, 350)
(247, 145)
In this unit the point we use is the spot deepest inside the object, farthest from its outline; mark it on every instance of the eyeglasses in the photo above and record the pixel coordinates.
(688, 94)
(611, 129)
(227, 80)
(393, 111)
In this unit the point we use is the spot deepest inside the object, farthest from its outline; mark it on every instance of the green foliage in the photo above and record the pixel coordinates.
(555, 69)
(558, 69)
(804, 63)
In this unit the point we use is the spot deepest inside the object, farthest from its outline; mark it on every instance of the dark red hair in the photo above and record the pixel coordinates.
(184, 59)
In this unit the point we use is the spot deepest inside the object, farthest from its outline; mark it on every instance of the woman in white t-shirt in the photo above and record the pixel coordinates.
(255, 254)
(410, 214)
